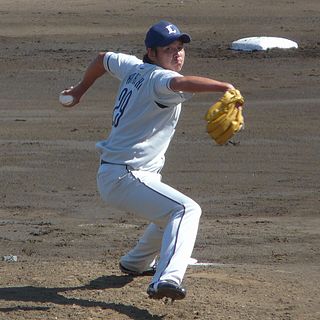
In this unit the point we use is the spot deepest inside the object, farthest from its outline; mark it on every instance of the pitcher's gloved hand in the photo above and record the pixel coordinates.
(224, 118)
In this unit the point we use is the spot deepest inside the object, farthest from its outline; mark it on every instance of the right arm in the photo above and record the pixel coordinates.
(94, 71)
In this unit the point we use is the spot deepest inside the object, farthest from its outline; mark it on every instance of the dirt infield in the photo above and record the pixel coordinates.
(260, 198)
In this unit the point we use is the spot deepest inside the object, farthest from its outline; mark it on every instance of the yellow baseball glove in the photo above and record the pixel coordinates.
(224, 118)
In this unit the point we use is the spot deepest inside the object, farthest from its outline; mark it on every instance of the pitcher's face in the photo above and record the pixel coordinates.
(169, 57)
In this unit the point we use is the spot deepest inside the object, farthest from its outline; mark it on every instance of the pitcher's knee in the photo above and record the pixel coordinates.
(193, 208)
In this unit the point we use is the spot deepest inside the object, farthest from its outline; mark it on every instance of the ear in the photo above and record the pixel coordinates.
(151, 54)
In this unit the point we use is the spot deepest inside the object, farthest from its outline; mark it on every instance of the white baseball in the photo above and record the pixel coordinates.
(65, 100)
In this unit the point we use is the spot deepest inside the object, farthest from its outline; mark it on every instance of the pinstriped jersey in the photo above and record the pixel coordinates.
(145, 113)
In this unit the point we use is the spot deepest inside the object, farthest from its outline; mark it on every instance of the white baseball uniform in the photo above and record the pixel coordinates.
(145, 115)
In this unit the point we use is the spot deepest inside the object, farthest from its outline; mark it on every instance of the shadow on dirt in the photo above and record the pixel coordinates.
(54, 295)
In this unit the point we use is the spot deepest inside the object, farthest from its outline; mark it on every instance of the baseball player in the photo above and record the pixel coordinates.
(146, 111)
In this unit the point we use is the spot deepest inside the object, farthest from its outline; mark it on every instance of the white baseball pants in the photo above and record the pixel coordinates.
(174, 219)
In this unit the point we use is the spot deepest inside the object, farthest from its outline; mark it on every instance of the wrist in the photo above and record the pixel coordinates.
(229, 86)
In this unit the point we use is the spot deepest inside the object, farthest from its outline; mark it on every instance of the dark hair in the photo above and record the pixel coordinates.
(146, 58)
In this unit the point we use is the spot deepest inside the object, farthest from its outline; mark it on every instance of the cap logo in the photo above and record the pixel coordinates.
(170, 29)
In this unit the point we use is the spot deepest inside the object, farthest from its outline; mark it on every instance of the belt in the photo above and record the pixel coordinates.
(129, 168)
(104, 162)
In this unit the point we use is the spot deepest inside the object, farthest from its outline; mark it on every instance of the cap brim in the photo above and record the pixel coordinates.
(184, 37)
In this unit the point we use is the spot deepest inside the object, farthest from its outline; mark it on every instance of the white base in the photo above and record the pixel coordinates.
(262, 43)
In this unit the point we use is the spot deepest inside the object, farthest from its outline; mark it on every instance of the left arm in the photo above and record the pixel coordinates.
(198, 84)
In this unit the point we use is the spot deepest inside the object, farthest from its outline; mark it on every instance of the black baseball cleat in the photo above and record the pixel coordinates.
(149, 272)
(166, 289)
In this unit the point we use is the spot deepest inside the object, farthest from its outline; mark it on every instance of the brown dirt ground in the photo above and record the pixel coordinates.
(260, 198)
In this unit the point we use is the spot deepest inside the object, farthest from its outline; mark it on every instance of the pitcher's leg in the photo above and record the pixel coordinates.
(143, 255)
(143, 193)
(180, 217)
(178, 242)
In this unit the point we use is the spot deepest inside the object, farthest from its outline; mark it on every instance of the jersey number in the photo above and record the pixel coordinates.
(123, 100)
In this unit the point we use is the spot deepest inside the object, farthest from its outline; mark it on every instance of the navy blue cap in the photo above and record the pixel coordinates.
(164, 33)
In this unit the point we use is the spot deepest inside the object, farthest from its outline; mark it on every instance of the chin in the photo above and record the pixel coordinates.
(177, 67)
